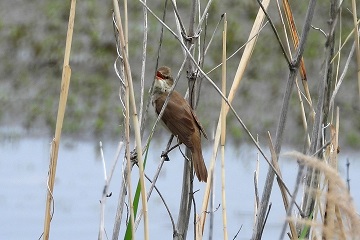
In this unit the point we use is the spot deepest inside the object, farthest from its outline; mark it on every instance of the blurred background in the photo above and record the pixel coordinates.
(32, 49)
(32, 42)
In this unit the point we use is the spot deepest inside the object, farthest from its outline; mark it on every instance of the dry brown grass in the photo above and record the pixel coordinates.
(341, 221)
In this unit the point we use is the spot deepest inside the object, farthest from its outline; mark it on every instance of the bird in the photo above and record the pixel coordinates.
(180, 119)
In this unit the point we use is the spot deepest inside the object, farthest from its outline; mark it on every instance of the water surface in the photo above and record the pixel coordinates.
(80, 180)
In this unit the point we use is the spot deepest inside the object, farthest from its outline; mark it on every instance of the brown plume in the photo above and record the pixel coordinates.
(180, 119)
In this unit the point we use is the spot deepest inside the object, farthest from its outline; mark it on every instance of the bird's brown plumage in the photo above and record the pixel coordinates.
(180, 119)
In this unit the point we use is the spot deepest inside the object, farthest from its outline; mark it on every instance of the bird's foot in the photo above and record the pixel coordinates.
(165, 156)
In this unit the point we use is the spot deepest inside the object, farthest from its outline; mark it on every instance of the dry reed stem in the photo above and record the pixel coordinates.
(65, 83)
(143, 116)
(237, 79)
(282, 119)
(256, 184)
(340, 224)
(281, 186)
(342, 76)
(356, 36)
(329, 215)
(187, 196)
(106, 187)
(134, 118)
(124, 88)
(126, 173)
(295, 37)
(155, 178)
(339, 44)
(223, 132)
(303, 114)
(126, 28)
(340, 195)
(103, 196)
(165, 204)
(129, 165)
(322, 110)
(294, 34)
(142, 78)
(345, 41)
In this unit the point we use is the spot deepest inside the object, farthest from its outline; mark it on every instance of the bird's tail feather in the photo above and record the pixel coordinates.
(199, 165)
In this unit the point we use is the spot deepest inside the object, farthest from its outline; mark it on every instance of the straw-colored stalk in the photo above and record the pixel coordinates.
(134, 118)
(126, 28)
(65, 83)
(295, 37)
(128, 161)
(256, 184)
(356, 35)
(238, 76)
(281, 186)
(329, 215)
(106, 187)
(343, 44)
(127, 130)
(223, 131)
(103, 197)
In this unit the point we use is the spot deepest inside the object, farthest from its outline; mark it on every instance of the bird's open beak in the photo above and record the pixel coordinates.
(159, 76)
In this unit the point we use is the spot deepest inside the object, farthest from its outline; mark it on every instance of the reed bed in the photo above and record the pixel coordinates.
(326, 210)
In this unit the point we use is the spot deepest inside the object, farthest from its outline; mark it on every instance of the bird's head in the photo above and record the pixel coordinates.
(163, 79)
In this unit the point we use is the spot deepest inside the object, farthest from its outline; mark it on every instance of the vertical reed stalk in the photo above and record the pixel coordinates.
(223, 131)
(126, 28)
(128, 161)
(356, 35)
(135, 120)
(182, 224)
(65, 83)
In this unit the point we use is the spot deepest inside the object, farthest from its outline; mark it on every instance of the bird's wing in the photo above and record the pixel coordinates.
(178, 117)
(199, 124)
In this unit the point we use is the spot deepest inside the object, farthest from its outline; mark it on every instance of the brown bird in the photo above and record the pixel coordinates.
(180, 119)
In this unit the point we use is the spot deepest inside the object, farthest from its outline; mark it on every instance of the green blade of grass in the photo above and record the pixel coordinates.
(128, 234)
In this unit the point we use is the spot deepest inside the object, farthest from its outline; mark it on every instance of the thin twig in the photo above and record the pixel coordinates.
(266, 218)
(155, 178)
(282, 190)
(356, 42)
(106, 186)
(183, 30)
(143, 64)
(237, 233)
(276, 33)
(213, 34)
(348, 173)
(237, 50)
(163, 200)
(342, 77)
(143, 120)
(203, 17)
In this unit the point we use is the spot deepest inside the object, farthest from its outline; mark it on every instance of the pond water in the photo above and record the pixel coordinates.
(80, 180)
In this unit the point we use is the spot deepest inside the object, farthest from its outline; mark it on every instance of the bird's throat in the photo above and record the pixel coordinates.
(161, 86)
